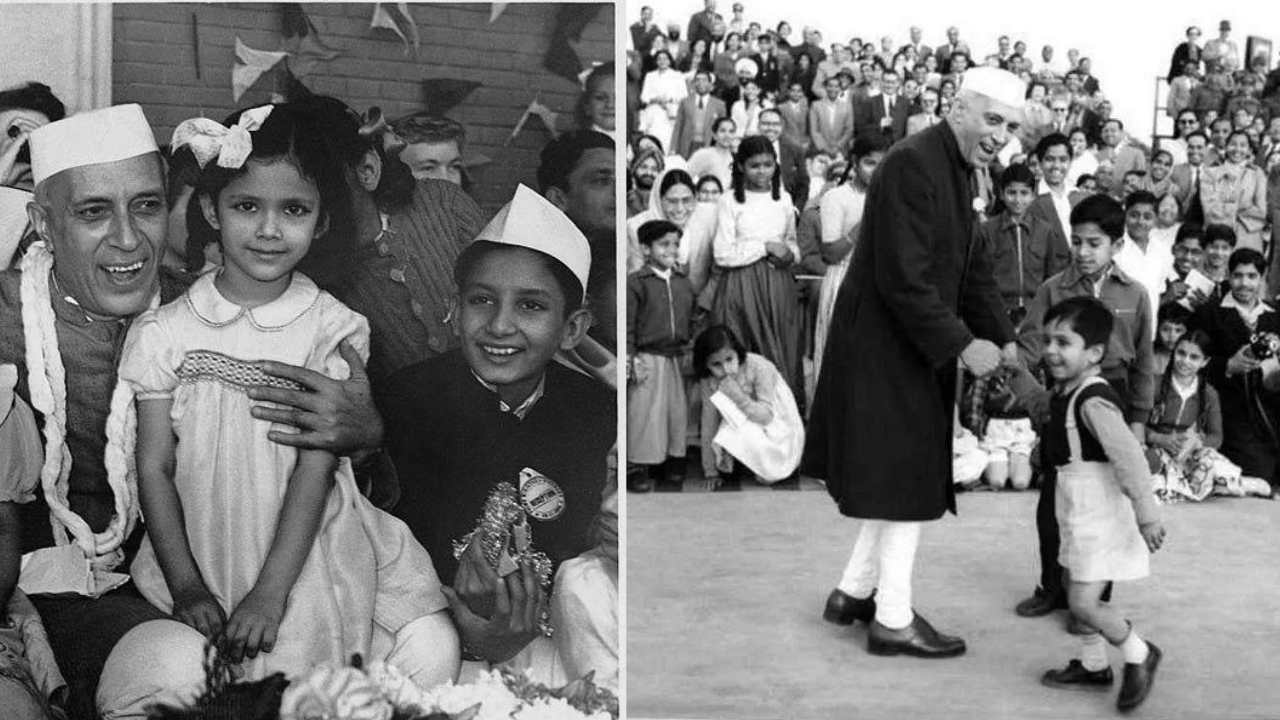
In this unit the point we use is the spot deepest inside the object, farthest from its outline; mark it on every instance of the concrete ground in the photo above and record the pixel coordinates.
(725, 592)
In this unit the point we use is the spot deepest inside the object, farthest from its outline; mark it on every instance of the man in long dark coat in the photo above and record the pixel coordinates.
(918, 295)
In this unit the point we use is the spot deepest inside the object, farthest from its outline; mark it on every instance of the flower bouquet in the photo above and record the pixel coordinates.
(380, 691)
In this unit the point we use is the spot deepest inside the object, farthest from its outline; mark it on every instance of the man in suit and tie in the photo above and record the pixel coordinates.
(795, 118)
(773, 66)
(1124, 157)
(1186, 176)
(921, 49)
(702, 24)
(831, 120)
(884, 114)
(943, 53)
(695, 115)
(644, 31)
(928, 115)
(795, 178)
(1060, 114)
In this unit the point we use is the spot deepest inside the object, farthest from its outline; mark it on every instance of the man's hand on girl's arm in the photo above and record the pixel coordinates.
(334, 415)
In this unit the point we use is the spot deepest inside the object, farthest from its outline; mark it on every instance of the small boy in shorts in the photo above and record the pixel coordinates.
(1105, 506)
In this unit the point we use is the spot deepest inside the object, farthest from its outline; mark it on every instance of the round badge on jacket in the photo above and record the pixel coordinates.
(540, 496)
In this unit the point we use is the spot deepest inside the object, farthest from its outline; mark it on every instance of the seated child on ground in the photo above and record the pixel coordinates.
(1185, 432)
(748, 411)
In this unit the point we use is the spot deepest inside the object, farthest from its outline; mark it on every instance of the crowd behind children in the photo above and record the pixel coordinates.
(757, 147)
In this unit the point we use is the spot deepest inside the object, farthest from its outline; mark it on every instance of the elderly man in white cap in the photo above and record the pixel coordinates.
(99, 210)
(920, 297)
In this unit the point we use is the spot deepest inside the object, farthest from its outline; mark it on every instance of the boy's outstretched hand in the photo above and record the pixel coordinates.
(1153, 534)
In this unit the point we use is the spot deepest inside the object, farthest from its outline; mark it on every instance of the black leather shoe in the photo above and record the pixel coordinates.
(1041, 603)
(1138, 678)
(918, 639)
(639, 483)
(1075, 677)
(844, 609)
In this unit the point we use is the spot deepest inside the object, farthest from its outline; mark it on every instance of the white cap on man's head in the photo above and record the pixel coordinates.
(531, 221)
(999, 85)
(90, 138)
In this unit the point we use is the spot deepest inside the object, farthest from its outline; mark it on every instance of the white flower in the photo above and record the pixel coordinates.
(402, 692)
(329, 692)
(549, 709)
(979, 205)
(489, 692)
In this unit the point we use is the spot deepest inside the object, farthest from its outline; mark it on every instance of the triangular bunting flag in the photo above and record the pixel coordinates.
(561, 58)
(398, 20)
(250, 65)
(440, 95)
(496, 10)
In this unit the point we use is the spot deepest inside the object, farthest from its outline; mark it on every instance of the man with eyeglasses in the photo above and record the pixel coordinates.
(1186, 124)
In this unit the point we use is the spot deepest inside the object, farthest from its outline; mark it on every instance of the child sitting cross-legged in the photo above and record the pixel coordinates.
(1185, 431)
(1105, 508)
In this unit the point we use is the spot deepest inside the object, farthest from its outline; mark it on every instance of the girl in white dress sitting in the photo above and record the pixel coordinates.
(748, 411)
(269, 549)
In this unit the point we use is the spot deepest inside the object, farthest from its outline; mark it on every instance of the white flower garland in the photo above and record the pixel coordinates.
(46, 380)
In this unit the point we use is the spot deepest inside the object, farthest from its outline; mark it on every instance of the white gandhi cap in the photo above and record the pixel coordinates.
(90, 138)
(999, 85)
(531, 221)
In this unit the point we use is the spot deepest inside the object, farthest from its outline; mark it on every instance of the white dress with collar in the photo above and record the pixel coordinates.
(365, 573)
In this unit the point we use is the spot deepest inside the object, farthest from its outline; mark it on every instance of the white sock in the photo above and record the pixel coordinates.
(1135, 649)
(1093, 652)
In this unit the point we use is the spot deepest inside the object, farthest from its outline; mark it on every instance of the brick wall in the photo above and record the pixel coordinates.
(154, 64)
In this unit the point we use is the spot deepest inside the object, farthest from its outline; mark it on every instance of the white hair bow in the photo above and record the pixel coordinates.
(209, 139)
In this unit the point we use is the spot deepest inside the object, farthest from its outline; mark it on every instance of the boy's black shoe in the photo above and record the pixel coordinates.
(675, 470)
(1075, 677)
(1041, 603)
(844, 609)
(639, 482)
(1138, 678)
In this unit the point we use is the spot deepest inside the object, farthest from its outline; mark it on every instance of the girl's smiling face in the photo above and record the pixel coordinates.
(1188, 360)
(759, 170)
(266, 218)
(722, 363)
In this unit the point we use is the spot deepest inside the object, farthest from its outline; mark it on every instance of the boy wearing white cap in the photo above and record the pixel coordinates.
(500, 410)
